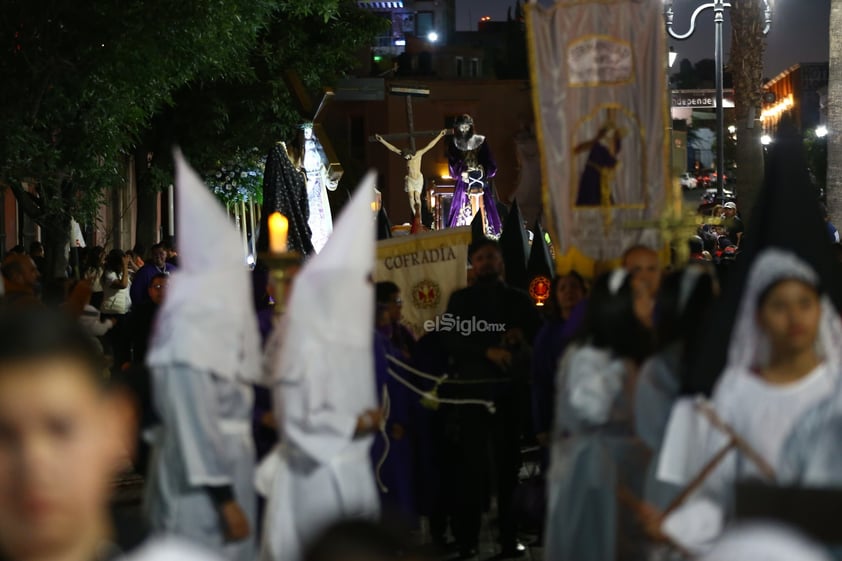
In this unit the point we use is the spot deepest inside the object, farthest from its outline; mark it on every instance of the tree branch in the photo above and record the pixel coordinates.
(28, 203)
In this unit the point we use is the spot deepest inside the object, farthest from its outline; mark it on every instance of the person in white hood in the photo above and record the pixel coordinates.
(204, 358)
(782, 363)
(321, 366)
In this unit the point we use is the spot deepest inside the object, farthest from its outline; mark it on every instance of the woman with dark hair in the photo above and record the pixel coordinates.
(595, 455)
(567, 293)
(683, 300)
(116, 304)
(93, 271)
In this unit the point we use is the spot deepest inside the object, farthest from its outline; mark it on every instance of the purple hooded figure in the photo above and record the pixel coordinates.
(393, 451)
(472, 165)
(595, 184)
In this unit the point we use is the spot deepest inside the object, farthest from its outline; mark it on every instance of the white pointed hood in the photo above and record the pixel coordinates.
(332, 295)
(326, 339)
(207, 320)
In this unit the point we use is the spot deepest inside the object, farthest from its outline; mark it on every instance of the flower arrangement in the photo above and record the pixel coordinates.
(240, 179)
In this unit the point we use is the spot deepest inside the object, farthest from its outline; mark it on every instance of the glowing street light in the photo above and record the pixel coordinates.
(672, 56)
(718, 7)
(732, 129)
(821, 131)
(432, 36)
(765, 140)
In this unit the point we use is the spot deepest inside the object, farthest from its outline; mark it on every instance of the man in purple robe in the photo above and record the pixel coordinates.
(393, 452)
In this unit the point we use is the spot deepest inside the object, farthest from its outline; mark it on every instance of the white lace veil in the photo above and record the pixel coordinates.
(749, 346)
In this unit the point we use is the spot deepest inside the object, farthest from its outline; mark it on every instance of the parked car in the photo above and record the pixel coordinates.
(688, 181)
(707, 178)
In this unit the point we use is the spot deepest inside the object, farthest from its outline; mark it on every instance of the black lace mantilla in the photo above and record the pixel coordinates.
(285, 191)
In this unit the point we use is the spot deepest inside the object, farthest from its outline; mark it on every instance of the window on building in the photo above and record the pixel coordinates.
(474, 68)
(405, 23)
(460, 62)
(424, 23)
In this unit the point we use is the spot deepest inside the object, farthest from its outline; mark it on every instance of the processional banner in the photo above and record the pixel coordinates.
(598, 72)
(428, 268)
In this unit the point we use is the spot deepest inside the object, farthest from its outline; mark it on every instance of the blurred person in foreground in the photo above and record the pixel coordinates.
(64, 436)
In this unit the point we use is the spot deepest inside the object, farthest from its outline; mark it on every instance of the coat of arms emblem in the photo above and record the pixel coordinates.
(426, 294)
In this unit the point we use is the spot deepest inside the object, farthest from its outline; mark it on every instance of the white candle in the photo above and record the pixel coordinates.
(278, 228)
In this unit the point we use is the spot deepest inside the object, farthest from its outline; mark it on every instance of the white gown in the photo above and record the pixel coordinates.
(320, 366)
(762, 414)
(202, 446)
(320, 220)
(320, 473)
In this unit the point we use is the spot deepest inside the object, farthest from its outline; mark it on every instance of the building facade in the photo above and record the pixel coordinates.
(797, 94)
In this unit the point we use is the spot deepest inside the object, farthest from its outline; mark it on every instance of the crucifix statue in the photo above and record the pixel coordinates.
(414, 180)
(414, 184)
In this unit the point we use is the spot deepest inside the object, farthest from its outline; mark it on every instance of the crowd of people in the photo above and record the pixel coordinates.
(718, 240)
(113, 294)
(356, 440)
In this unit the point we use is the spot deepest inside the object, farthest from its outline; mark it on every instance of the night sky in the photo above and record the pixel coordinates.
(799, 30)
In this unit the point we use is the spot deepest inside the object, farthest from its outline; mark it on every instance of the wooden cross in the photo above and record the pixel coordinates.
(309, 112)
(675, 225)
(408, 92)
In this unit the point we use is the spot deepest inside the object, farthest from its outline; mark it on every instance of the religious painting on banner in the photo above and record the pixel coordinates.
(599, 85)
(428, 268)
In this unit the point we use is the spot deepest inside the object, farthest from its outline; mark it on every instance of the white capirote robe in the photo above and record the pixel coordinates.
(320, 473)
(205, 441)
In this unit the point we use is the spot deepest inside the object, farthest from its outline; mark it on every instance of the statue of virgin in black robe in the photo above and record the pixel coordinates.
(285, 191)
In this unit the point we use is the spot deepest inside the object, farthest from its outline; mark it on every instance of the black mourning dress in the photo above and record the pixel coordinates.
(285, 191)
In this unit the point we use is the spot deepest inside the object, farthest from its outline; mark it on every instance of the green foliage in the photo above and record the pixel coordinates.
(215, 119)
(87, 76)
(84, 79)
(239, 179)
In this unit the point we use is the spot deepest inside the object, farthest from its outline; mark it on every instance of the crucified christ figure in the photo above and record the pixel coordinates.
(414, 180)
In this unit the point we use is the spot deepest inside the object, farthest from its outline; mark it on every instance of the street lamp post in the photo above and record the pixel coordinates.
(718, 7)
